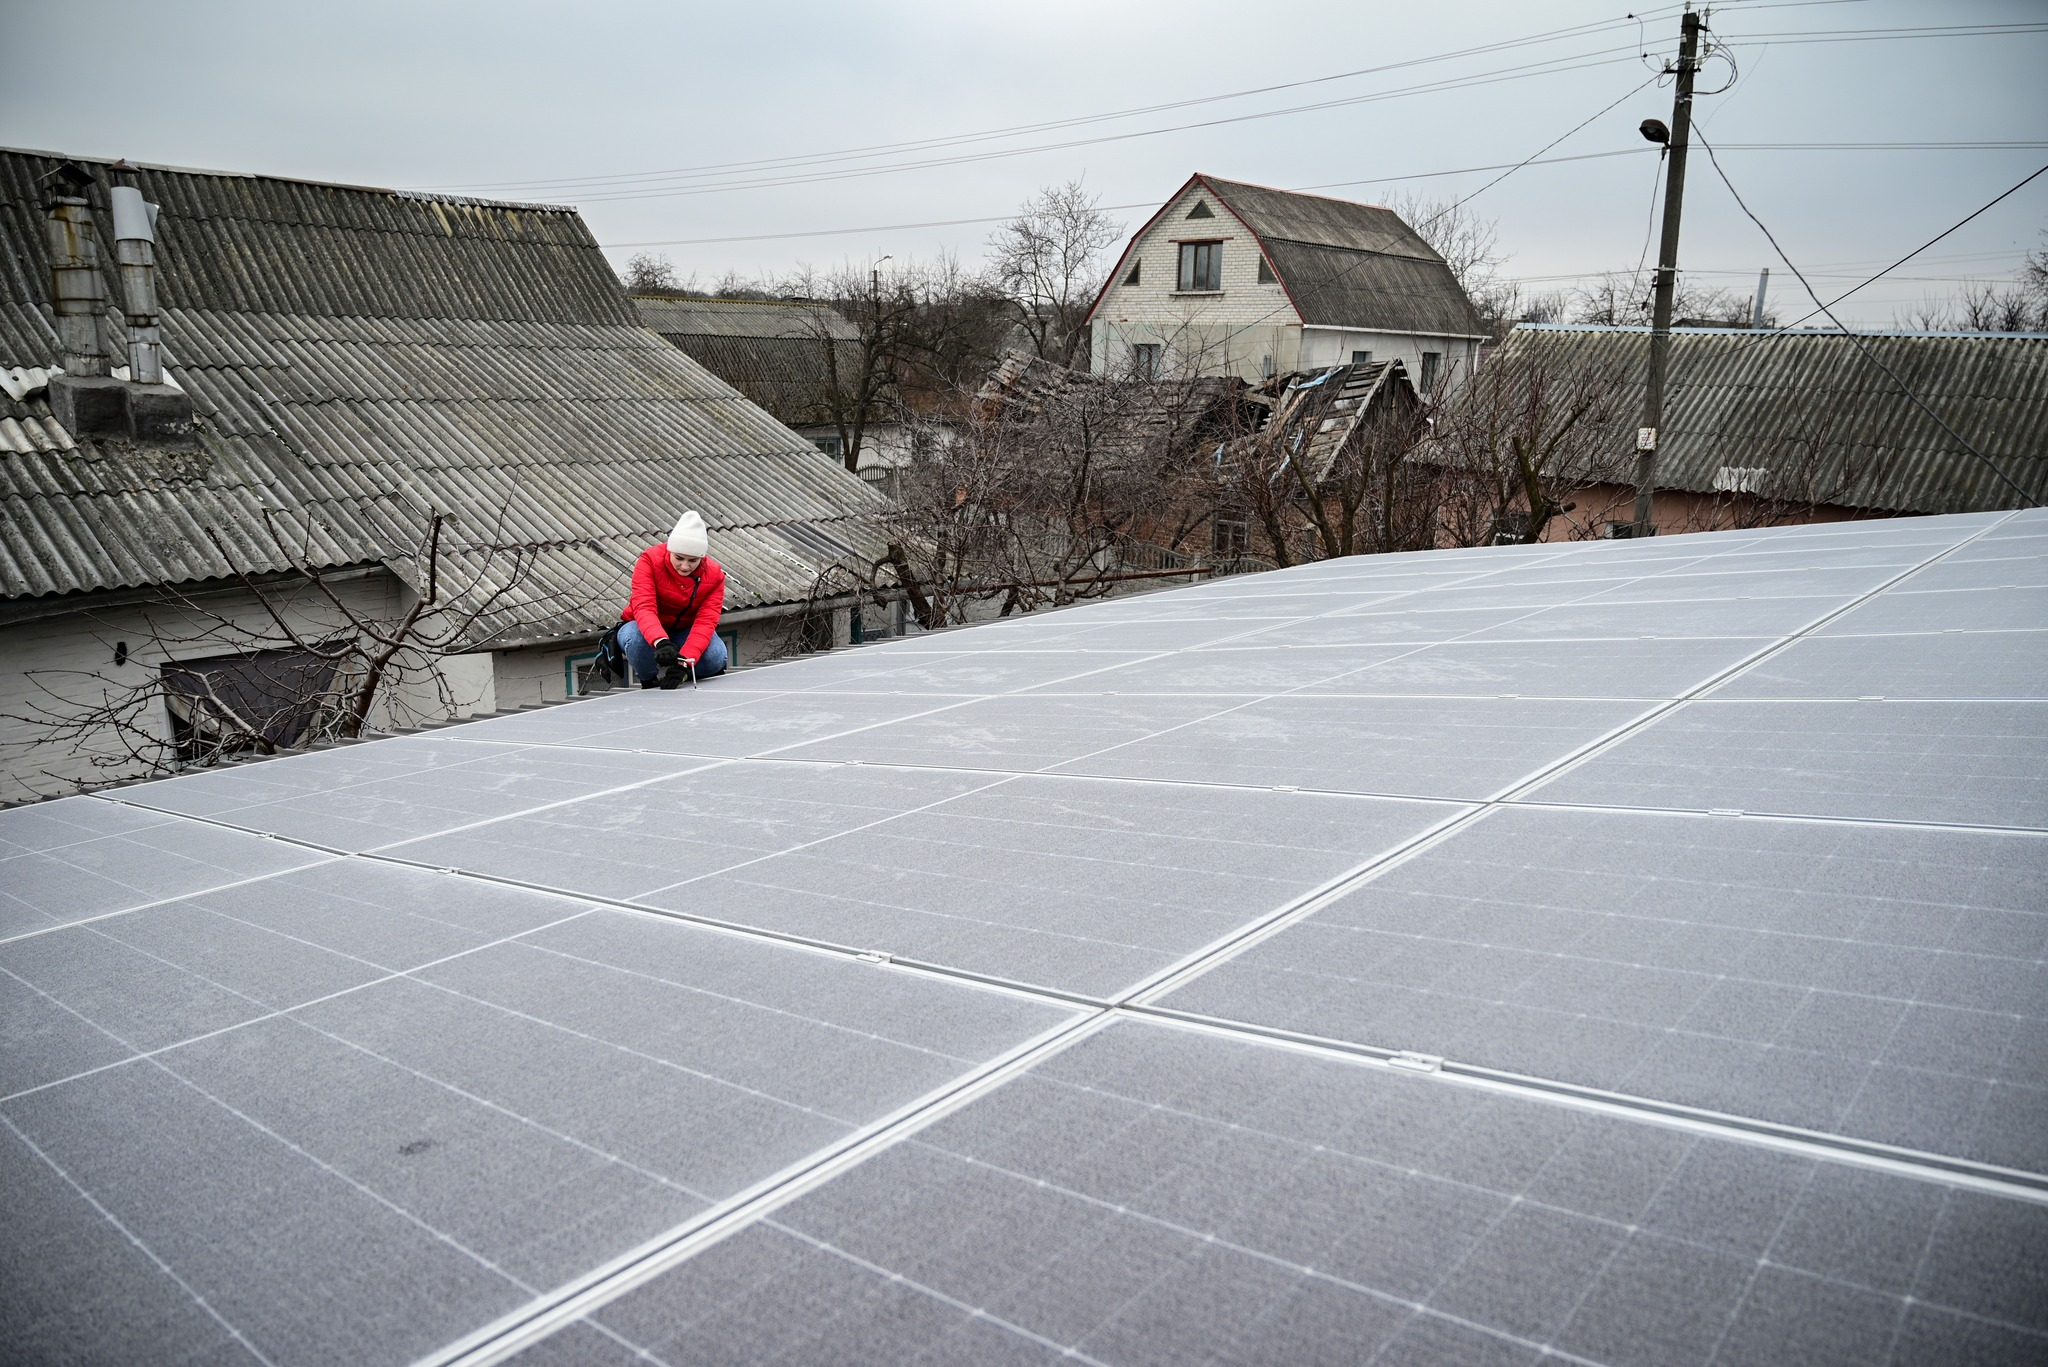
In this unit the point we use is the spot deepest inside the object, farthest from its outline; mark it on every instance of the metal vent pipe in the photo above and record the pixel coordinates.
(78, 294)
(135, 251)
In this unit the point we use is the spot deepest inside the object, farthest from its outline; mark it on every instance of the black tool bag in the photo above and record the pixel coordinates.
(611, 658)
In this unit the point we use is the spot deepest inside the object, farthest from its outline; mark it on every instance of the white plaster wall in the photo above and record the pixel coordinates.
(1334, 346)
(66, 661)
(1228, 332)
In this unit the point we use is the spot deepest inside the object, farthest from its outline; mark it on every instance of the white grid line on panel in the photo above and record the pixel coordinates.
(133, 1239)
(527, 1326)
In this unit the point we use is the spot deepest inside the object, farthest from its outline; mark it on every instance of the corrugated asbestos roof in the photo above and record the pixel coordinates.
(1811, 400)
(1351, 265)
(362, 358)
(1320, 220)
(787, 318)
(771, 351)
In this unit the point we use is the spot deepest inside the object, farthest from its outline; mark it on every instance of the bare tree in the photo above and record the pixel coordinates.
(1622, 299)
(2020, 305)
(860, 372)
(1048, 264)
(1520, 441)
(649, 271)
(297, 661)
(1055, 485)
(1470, 246)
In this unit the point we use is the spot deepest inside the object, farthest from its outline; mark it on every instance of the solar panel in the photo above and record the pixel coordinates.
(1630, 951)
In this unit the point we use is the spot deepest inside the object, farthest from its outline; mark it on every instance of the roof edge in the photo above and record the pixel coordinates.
(434, 196)
(1778, 332)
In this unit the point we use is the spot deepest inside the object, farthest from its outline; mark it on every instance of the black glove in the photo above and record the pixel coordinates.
(665, 653)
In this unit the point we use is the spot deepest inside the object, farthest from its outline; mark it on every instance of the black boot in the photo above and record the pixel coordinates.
(650, 683)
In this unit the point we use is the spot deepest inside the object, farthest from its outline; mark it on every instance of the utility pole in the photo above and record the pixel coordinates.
(1667, 269)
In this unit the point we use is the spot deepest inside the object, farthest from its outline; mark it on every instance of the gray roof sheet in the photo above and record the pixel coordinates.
(772, 351)
(1617, 951)
(1776, 401)
(1352, 265)
(360, 358)
(763, 318)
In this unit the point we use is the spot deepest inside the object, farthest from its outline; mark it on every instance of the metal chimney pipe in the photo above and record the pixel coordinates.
(78, 294)
(135, 251)
(1756, 311)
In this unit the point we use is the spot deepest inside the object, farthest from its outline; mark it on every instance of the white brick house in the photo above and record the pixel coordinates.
(1235, 279)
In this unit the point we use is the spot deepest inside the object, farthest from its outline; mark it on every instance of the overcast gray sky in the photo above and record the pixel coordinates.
(636, 100)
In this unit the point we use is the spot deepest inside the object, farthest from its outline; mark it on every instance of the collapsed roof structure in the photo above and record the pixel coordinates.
(1623, 952)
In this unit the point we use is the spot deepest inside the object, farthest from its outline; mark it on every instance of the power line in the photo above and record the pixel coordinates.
(1529, 40)
(1526, 71)
(1864, 351)
(1334, 185)
(786, 171)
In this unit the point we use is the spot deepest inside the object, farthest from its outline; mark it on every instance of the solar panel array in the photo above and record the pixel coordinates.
(1629, 952)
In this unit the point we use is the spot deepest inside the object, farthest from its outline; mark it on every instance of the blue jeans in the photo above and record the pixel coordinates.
(641, 654)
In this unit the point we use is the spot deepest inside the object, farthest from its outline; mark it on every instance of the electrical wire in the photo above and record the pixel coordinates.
(2028, 499)
(921, 144)
(779, 171)
(1526, 71)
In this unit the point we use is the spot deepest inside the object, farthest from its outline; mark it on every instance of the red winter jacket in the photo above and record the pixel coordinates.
(666, 604)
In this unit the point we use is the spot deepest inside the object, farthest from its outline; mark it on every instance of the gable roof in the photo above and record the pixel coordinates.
(361, 358)
(1343, 264)
(771, 350)
(1808, 407)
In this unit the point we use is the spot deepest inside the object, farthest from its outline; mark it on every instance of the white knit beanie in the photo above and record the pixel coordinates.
(688, 538)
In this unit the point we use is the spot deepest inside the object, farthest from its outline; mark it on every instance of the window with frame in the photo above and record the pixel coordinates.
(1201, 266)
(1432, 363)
(1266, 276)
(1145, 360)
(1232, 535)
(1361, 358)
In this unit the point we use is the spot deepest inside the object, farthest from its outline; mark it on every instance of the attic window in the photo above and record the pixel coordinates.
(1201, 210)
(1266, 276)
(1132, 278)
(1201, 266)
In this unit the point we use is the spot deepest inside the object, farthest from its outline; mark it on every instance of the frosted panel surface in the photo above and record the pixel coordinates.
(1158, 1197)
(1072, 884)
(1511, 807)
(81, 857)
(1877, 982)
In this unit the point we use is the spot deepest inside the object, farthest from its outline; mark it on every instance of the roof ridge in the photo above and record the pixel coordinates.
(1299, 194)
(435, 196)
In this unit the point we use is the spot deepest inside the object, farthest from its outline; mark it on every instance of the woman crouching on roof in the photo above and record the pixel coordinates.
(670, 625)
